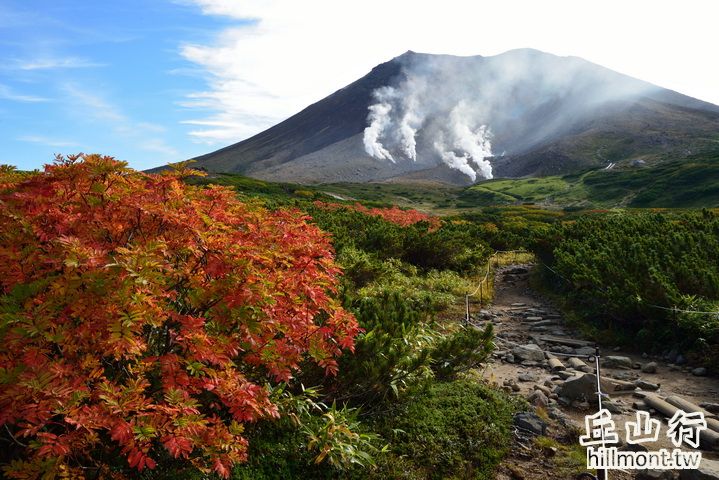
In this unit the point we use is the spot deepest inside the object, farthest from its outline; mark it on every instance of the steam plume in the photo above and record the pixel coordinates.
(399, 113)
(454, 110)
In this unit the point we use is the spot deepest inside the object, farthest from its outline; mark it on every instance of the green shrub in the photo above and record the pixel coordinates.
(629, 271)
(449, 430)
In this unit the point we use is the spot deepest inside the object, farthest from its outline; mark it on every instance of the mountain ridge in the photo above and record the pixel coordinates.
(549, 115)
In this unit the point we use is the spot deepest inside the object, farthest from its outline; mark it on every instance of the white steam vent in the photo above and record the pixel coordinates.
(452, 126)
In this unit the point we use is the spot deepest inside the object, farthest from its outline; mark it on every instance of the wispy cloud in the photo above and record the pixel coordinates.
(7, 93)
(282, 55)
(51, 142)
(144, 135)
(95, 105)
(49, 63)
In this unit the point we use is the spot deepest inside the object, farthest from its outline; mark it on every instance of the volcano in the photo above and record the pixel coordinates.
(457, 120)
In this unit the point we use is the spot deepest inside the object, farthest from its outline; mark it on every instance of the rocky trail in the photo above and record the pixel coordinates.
(543, 359)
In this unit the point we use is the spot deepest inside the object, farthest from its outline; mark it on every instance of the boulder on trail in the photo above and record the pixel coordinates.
(708, 470)
(588, 351)
(581, 387)
(650, 367)
(530, 422)
(614, 361)
(710, 407)
(530, 351)
(646, 385)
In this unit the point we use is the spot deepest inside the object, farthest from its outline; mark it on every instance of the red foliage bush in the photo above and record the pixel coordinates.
(394, 214)
(138, 313)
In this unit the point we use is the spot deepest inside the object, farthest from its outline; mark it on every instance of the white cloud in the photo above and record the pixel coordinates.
(51, 142)
(145, 135)
(94, 105)
(295, 53)
(55, 63)
(7, 93)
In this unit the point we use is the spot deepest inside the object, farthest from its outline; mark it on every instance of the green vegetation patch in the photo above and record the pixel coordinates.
(451, 430)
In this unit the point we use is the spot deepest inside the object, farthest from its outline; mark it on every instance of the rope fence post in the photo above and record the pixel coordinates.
(601, 474)
(466, 303)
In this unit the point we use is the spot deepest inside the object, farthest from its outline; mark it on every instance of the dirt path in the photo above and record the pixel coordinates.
(522, 317)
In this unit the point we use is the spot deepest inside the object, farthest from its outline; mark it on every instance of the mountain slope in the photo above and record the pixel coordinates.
(457, 119)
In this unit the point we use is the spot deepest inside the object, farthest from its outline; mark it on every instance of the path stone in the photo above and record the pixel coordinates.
(530, 422)
(699, 372)
(579, 387)
(589, 351)
(650, 367)
(708, 470)
(710, 407)
(655, 475)
(646, 385)
(614, 361)
(529, 351)
(538, 399)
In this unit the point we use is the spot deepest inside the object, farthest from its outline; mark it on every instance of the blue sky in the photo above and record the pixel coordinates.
(86, 76)
(155, 81)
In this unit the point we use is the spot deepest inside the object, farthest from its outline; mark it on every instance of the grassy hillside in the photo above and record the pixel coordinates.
(680, 184)
(675, 184)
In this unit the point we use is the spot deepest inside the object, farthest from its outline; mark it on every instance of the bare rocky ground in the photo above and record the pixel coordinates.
(521, 317)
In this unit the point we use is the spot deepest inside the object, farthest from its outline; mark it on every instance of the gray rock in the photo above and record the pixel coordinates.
(509, 358)
(613, 407)
(650, 367)
(530, 422)
(538, 399)
(646, 385)
(708, 470)
(680, 360)
(530, 351)
(613, 361)
(699, 372)
(543, 389)
(625, 376)
(710, 407)
(516, 271)
(527, 377)
(655, 475)
(579, 387)
(589, 351)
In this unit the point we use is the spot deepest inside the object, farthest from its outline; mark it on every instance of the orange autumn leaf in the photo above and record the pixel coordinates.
(138, 310)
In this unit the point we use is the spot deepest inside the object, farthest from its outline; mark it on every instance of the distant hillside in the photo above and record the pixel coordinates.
(455, 120)
(689, 183)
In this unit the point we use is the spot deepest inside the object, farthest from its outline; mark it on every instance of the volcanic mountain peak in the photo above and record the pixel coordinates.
(523, 112)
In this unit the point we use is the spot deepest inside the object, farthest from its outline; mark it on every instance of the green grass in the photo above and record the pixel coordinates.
(689, 183)
(678, 184)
